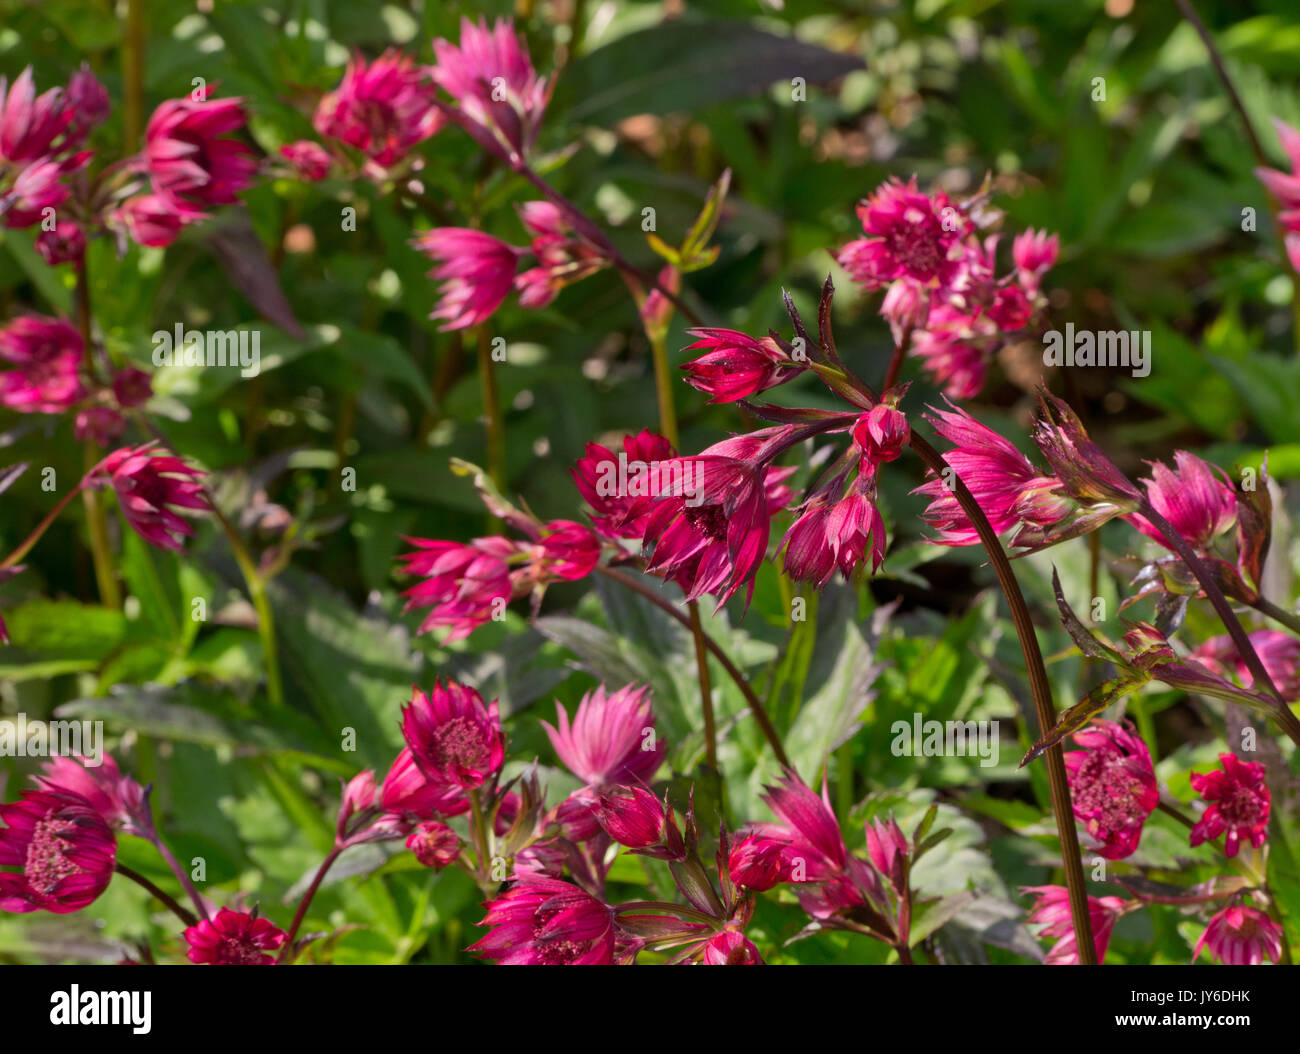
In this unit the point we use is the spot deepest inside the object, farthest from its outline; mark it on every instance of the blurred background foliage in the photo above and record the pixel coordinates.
(1146, 186)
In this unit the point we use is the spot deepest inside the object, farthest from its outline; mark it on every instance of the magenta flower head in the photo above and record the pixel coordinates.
(153, 220)
(1239, 802)
(1053, 911)
(434, 844)
(754, 862)
(636, 819)
(712, 519)
(1279, 652)
(98, 424)
(1195, 498)
(233, 938)
(47, 353)
(63, 851)
(611, 738)
(453, 737)
(1285, 186)
(407, 793)
(88, 100)
(382, 108)
(881, 433)
(888, 848)
(492, 78)
(563, 255)
(66, 243)
(35, 189)
(909, 235)
(149, 485)
(737, 366)
(571, 550)
(29, 124)
(543, 921)
(310, 161)
(731, 948)
(465, 585)
(620, 488)
(996, 473)
(1112, 786)
(827, 536)
(1085, 472)
(1242, 936)
(119, 800)
(1034, 252)
(476, 271)
(190, 155)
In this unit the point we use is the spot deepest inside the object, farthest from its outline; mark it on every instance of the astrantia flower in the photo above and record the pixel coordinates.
(570, 551)
(1239, 804)
(563, 255)
(1242, 936)
(1112, 786)
(149, 486)
(119, 799)
(1053, 910)
(190, 155)
(492, 78)
(1034, 252)
(1285, 186)
(310, 161)
(407, 793)
(153, 220)
(476, 271)
(63, 851)
(29, 124)
(542, 921)
(233, 938)
(453, 737)
(619, 487)
(736, 366)
(1195, 498)
(632, 816)
(382, 108)
(66, 243)
(47, 353)
(37, 187)
(996, 473)
(731, 948)
(465, 585)
(755, 863)
(909, 234)
(101, 425)
(1279, 652)
(828, 536)
(881, 433)
(956, 348)
(710, 525)
(434, 844)
(611, 738)
(88, 100)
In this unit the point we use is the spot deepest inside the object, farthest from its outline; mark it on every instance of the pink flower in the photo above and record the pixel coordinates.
(1053, 909)
(571, 550)
(131, 387)
(149, 485)
(621, 497)
(888, 848)
(955, 348)
(731, 948)
(434, 844)
(66, 243)
(35, 189)
(997, 474)
(1113, 786)
(88, 100)
(709, 527)
(233, 938)
(881, 433)
(1279, 652)
(453, 737)
(563, 255)
(1239, 804)
(310, 161)
(63, 850)
(1034, 252)
(906, 307)
(117, 798)
(611, 738)
(736, 365)
(382, 108)
(153, 220)
(825, 537)
(492, 78)
(755, 862)
(407, 792)
(1195, 498)
(29, 124)
(1282, 185)
(476, 271)
(542, 921)
(1242, 936)
(909, 234)
(101, 425)
(190, 157)
(48, 354)
(465, 585)
(632, 816)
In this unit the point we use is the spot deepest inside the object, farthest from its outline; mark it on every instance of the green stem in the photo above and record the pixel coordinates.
(110, 594)
(496, 430)
(664, 389)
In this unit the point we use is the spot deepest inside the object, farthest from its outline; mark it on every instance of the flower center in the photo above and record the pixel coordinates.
(460, 742)
(917, 244)
(1242, 807)
(709, 520)
(47, 863)
(239, 951)
(1107, 791)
